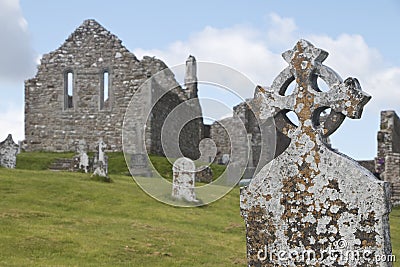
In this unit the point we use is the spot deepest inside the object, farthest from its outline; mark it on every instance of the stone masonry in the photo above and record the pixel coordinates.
(312, 206)
(387, 162)
(249, 143)
(82, 89)
(228, 134)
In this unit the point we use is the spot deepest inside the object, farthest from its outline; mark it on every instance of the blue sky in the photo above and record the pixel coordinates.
(362, 38)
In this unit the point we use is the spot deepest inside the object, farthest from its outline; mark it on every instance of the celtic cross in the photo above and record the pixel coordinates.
(310, 197)
(307, 100)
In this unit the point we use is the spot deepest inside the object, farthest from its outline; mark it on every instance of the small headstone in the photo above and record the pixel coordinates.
(225, 159)
(137, 155)
(233, 171)
(208, 151)
(183, 180)
(81, 160)
(311, 206)
(100, 163)
(8, 153)
(204, 174)
(250, 168)
(138, 165)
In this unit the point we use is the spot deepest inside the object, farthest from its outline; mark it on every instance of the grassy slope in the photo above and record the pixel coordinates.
(116, 162)
(65, 219)
(39, 160)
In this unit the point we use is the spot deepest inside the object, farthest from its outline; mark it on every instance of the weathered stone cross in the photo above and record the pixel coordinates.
(310, 200)
(307, 100)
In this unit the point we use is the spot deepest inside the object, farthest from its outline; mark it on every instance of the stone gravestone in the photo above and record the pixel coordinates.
(204, 174)
(8, 153)
(183, 180)
(139, 165)
(311, 206)
(81, 161)
(225, 159)
(137, 156)
(100, 163)
(250, 168)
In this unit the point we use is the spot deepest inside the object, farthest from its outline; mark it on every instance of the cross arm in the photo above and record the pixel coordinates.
(346, 98)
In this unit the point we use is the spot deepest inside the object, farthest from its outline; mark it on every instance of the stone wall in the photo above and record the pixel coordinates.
(387, 162)
(219, 133)
(368, 164)
(56, 119)
(389, 133)
(221, 138)
(245, 113)
(392, 175)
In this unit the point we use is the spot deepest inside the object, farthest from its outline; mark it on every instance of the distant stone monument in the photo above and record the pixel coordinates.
(225, 159)
(204, 174)
(208, 151)
(139, 165)
(8, 153)
(387, 162)
(82, 160)
(100, 163)
(183, 180)
(137, 156)
(311, 206)
(250, 168)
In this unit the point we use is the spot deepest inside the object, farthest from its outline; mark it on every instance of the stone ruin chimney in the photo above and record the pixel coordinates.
(191, 77)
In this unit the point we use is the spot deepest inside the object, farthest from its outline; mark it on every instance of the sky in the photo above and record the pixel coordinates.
(362, 38)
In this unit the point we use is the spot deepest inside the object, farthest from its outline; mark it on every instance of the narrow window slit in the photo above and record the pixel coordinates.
(69, 90)
(105, 82)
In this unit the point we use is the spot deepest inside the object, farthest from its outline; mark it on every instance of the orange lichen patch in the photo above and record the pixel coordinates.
(261, 89)
(267, 197)
(261, 235)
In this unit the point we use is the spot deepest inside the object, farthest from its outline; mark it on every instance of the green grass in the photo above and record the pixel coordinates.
(39, 160)
(68, 219)
(65, 219)
(164, 167)
(395, 233)
(116, 162)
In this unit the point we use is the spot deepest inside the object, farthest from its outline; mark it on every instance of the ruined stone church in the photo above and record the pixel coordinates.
(81, 92)
(82, 89)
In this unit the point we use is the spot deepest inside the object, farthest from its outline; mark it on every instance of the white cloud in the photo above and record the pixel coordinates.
(253, 52)
(281, 31)
(242, 48)
(249, 50)
(17, 58)
(351, 56)
(12, 122)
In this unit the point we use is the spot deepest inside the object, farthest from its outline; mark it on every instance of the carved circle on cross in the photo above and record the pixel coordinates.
(305, 67)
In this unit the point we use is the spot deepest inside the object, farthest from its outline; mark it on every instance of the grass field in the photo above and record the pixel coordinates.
(116, 162)
(65, 219)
